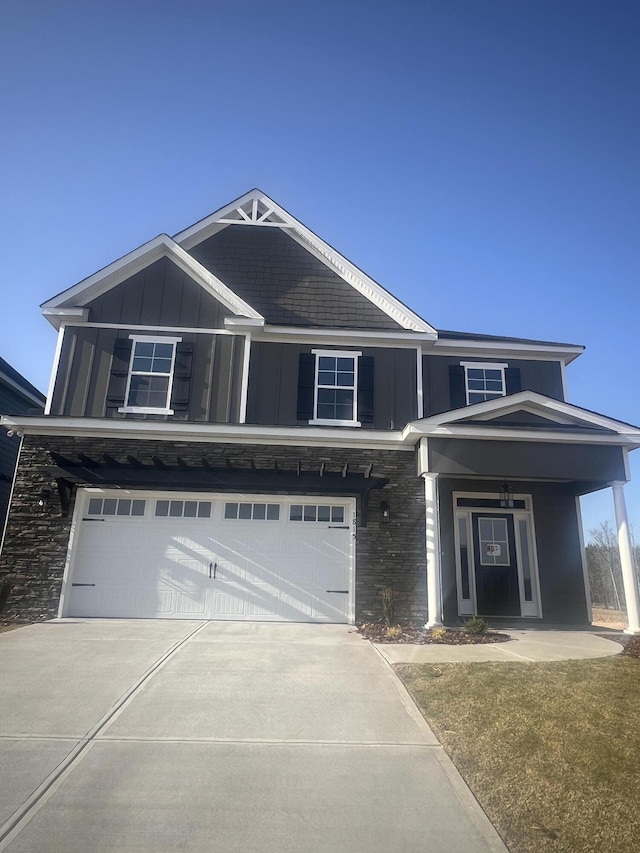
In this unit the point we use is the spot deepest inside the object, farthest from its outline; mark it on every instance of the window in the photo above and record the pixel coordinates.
(336, 383)
(183, 509)
(313, 512)
(150, 377)
(115, 506)
(484, 381)
(255, 512)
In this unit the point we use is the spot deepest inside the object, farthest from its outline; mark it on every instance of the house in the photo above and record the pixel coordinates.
(17, 397)
(243, 425)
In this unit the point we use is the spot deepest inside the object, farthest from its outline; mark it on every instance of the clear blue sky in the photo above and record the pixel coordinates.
(479, 158)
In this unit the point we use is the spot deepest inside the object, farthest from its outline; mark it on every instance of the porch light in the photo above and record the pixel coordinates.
(506, 496)
(385, 511)
(45, 496)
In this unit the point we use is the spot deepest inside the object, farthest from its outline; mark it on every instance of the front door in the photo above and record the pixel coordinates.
(496, 568)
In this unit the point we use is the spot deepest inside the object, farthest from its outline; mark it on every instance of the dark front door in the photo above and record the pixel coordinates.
(497, 592)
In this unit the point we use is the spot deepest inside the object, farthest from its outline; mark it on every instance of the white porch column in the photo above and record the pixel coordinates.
(434, 569)
(626, 560)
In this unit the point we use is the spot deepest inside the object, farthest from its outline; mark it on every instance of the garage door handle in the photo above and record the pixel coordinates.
(213, 566)
(338, 527)
(82, 584)
(341, 591)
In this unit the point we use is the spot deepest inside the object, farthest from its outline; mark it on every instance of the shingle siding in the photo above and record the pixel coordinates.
(285, 282)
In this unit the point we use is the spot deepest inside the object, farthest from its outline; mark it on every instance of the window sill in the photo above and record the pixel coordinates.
(142, 410)
(322, 422)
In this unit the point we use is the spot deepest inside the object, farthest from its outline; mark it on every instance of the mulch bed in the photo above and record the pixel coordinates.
(379, 633)
(630, 644)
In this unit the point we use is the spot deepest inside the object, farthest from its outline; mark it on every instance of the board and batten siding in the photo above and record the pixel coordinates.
(273, 384)
(85, 369)
(159, 295)
(544, 377)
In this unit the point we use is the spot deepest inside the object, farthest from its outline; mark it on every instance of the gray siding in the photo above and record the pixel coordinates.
(562, 590)
(512, 459)
(285, 282)
(544, 377)
(159, 295)
(273, 385)
(85, 368)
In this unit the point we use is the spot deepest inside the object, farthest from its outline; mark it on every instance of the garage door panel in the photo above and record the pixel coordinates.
(211, 567)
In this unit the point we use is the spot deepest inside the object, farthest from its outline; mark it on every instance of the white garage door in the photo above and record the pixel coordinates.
(187, 556)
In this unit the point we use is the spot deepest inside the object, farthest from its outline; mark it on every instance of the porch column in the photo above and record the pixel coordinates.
(626, 560)
(434, 579)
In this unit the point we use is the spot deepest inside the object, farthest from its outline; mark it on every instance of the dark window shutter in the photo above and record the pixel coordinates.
(119, 372)
(457, 389)
(365, 389)
(512, 380)
(306, 380)
(182, 377)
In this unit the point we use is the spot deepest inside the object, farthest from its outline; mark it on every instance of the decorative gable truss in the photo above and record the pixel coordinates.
(256, 208)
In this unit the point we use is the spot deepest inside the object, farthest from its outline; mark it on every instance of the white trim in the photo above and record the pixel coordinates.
(54, 369)
(150, 410)
(205, 432)
(353, 276)
(553, 352)
(419, 383)
(625, 547)
(354, 356)
(466, 606)
(23, 391)
(81, 502)
(433, 551)
(191, 330)
(563, 379)
(244, 385)
(625, 460)
(485, 365)
(117, 272)
(13, 485)
(523, 407)
(583, 558)
(488, 433)
(539, 402)
(341, 337)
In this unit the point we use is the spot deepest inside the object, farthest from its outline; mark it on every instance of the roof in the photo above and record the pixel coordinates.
(446, 334)
(10, 376)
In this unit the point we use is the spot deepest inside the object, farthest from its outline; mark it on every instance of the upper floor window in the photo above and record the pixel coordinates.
(336, 388)
(150, 378)
(484, 381)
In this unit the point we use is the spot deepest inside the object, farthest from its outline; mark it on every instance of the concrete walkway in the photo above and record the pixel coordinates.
(167, 735)
(526, 645)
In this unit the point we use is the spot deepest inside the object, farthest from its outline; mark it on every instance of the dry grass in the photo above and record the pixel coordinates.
(609, 618)
(550, 750)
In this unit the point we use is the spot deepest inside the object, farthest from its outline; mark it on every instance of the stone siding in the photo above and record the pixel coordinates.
(387, 553)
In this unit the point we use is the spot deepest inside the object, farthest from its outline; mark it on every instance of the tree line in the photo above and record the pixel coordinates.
(603, 565)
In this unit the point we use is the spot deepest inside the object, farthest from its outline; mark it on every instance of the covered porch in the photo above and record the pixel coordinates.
(503, 481)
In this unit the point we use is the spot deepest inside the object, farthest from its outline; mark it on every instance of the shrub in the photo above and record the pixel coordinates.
(439, 634)
(394, 632)
(476, 625)
(388, 605)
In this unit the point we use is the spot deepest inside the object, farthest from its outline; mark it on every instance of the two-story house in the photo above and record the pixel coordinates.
(242, 424)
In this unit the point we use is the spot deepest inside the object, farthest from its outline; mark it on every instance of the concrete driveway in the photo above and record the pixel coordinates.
(121, 735)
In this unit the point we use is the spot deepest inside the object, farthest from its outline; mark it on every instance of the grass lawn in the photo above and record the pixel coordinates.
(551, 750)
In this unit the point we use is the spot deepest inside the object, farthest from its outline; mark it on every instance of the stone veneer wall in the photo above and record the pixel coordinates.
(387, 553)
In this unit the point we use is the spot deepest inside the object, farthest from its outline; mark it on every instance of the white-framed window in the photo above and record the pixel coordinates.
(484, 381)
(115, 506)
(150, 378)
(183, 509)
(252, 512)
(317, 513)
(335, 395)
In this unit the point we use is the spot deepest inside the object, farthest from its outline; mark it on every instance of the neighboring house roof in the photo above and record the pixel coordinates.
(446, 334)
(10, 377)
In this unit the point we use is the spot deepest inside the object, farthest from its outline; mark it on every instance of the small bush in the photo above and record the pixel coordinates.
(388, 605)
(476, 625)
(5, 589)
(439, 634)
(394, 632)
